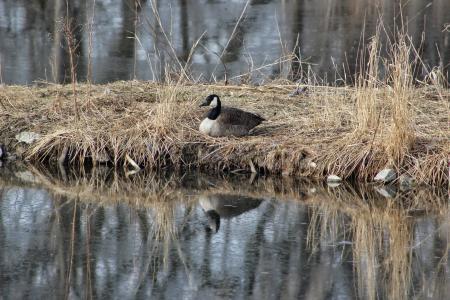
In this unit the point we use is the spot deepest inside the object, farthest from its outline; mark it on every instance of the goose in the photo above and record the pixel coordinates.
(227, 121)
(217, 206)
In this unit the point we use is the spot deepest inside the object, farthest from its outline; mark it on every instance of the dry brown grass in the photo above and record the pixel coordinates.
(401, 135)
(367, 82)
(157, 126)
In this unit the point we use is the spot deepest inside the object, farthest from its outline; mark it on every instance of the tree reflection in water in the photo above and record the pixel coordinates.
(327, 32)
(99, 236)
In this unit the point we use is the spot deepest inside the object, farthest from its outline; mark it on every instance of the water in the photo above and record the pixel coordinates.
(328, 35)
(104, 236)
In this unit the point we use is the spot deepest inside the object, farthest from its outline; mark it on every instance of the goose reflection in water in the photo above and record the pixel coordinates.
(217, 206)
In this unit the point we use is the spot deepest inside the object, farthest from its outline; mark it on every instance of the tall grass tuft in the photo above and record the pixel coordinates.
(367, 82)
(400, 78)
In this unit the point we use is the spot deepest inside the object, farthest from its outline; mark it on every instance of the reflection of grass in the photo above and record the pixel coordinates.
(382, 232)
(103, 185)
(381, 229)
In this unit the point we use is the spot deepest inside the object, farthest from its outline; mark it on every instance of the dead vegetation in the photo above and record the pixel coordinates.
(157, 126)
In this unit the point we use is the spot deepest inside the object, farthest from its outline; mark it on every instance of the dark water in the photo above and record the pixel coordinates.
(212, 238)
(328, 32)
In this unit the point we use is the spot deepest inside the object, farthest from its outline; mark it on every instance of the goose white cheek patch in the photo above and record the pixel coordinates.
(214, 102)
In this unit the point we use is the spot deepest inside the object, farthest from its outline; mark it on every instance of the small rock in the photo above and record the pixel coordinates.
(2, 151)
(333, 184)
(312, 165)
(388, 191)
(406, 182)
(312, 191)
(26, 176)
(385, 175)
(28, 137)
(334, 179)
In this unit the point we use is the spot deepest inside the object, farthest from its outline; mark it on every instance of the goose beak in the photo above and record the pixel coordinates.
(204, 104)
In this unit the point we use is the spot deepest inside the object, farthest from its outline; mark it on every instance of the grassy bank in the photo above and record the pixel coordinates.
(313, 134)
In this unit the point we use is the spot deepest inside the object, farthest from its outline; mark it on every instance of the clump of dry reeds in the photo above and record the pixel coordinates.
(401, 135)
(367, 83)
(388, 131)
(397, 89)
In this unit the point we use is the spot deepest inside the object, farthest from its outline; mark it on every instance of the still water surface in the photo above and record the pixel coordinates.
(197, 237)
(128, 42)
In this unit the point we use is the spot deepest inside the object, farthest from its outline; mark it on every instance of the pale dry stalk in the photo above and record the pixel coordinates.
(401, 134)
(367, 83)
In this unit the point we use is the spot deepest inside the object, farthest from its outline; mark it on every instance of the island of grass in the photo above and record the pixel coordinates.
(351, 132)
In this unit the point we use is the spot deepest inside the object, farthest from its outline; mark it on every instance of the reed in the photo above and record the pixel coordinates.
(401, 136)
(69, 29)
(367, 83)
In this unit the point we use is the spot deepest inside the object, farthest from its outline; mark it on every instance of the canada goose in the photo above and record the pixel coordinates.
(226, 121)
(217, 206)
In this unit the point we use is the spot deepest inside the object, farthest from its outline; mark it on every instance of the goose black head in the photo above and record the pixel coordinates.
(213, 221)
(211, 100)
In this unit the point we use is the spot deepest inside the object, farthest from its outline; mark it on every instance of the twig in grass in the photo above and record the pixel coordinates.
(132, 162)
(191, 52)
(161, 27)
(72, 44)
(90, 48)
(62, 157)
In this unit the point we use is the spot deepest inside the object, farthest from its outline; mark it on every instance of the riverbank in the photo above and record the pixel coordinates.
(314, 134)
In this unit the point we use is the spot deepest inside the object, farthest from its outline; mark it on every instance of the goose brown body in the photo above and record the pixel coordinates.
(227, 121)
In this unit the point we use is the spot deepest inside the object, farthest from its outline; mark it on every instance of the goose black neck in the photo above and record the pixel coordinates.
(215, 111)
